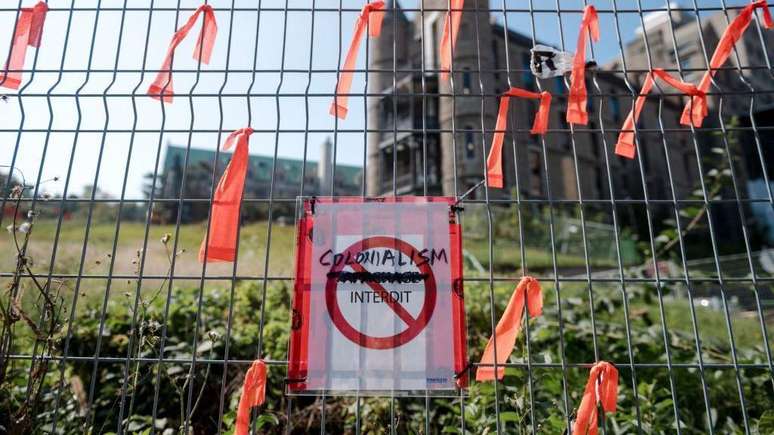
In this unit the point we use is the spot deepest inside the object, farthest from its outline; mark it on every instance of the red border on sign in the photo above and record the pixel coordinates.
(298, 358)
(415, 325)
(300, 319)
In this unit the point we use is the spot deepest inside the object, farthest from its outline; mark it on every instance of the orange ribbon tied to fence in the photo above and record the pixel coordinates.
(451, 27)
(220, 244)
(625, 146)
(528, 291)
(602, 387)
(732, 34)
(576, 101)
(29, 30)
(373, 15)
(253, 394)
(494, 163)
(162, 85)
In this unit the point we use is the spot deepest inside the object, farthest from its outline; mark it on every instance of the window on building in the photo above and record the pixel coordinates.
(535, 181)
(430, 105)
(590, 104)
(559, 85)
(615, 109)
(385, 110)
(496, 59)
(386, 165)
(470, 143)
(466, 81)
(404, 159)
(526, 75)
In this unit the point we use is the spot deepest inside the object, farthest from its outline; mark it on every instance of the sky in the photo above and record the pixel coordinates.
(71, 152)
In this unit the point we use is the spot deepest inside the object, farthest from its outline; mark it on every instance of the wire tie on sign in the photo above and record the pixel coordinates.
(454, 206)
(464, 370)
(294, 380)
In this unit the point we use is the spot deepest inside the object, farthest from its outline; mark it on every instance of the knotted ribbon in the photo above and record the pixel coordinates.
(528, 291)
(253, 394)
(625, 146)
(576, 101)
(494, 163)
(220, 245)
(162, 85)
(29, 30)
(602, 387)
(451, 26)
(374, 21)
(732, 34)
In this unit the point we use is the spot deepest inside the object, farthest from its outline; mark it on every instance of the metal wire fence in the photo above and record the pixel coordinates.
(662, 265)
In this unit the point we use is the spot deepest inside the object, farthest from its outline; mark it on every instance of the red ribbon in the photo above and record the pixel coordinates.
(732, 34)
(162, 85)
(494, 163)
(253, 394)
(625, 146)
(576, 101)
(451, 26)
(509, 326)
(29, 30)
(602, 387)
(224, 221)
(374, 21)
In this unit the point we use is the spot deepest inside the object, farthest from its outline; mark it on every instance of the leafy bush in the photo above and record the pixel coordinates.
(557, 377)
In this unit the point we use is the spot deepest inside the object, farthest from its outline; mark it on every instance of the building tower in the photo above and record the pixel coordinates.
(401, 107)
(460, 108)
(385, 54)
(324, 167)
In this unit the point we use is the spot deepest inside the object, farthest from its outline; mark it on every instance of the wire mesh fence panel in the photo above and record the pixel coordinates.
(660, 261)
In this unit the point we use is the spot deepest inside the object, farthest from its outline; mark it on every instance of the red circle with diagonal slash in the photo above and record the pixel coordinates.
(415, 325)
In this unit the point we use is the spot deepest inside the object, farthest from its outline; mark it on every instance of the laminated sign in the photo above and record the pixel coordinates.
(378, 304)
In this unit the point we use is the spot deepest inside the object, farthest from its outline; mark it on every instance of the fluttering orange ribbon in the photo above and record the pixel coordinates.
(732, 34)
(224, 219)
(602, 387)
(451, 27)
(253, 394)
(374, 21)
(576, 101)
(494, 163)
(509, 326)
(162, 85)
(625, 146)
(29, 30)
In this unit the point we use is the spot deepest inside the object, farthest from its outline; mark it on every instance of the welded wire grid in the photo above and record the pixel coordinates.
(81, 135)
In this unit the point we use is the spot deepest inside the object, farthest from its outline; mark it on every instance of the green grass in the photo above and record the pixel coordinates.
(99, 247)
(507, 257)
(252, 258)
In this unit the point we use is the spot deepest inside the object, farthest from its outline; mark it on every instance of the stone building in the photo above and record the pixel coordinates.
(459, 116)
(745, 82)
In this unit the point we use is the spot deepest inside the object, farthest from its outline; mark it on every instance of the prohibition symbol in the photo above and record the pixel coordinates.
(415, 325)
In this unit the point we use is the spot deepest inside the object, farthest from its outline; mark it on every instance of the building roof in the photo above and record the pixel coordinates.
(389, 7)
(260, 167)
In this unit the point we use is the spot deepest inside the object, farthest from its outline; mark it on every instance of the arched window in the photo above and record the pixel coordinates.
(470, 143)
